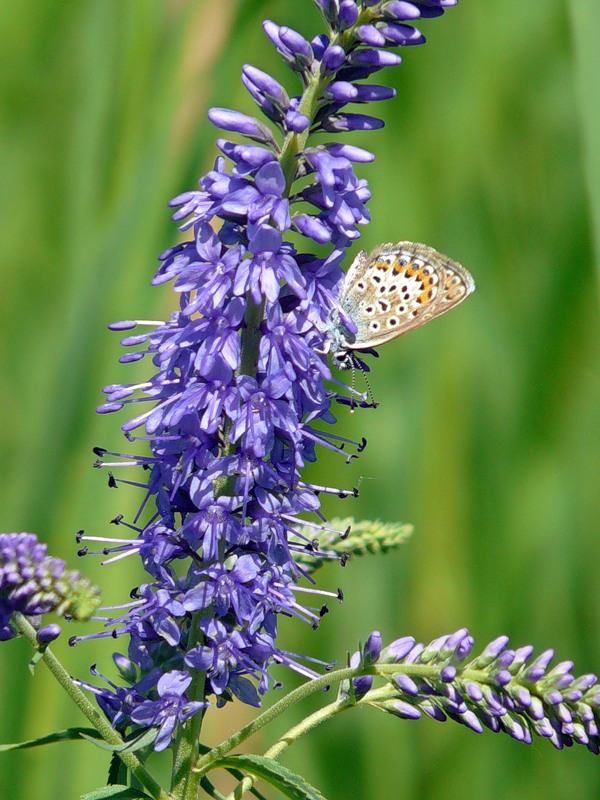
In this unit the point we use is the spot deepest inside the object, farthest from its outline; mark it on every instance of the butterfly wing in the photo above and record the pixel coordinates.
(399, 287)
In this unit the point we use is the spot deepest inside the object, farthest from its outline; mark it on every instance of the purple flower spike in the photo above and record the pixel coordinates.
(235, 401)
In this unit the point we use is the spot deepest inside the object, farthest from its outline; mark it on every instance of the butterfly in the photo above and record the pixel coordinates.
(390, 291)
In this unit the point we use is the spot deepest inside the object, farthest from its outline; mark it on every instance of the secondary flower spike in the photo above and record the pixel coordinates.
(35, 584)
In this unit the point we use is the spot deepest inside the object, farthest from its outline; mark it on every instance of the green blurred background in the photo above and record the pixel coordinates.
(487, 436)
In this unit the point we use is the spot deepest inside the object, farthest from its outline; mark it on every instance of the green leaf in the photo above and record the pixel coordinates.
(117, 771)
(132, 743)
(288, 782)
(117, 793)
(367, 537)
(69, 734)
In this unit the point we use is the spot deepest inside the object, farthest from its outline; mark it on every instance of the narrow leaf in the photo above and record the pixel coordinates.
(69, 734)
(289, 783)
(137, 742)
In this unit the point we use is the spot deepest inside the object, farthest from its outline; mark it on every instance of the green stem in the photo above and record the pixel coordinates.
(422, 671)
(289, 738)
(302, 692)
(102, 725)
(184, 782)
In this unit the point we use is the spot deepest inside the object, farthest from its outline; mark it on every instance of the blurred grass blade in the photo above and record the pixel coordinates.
(585, 24)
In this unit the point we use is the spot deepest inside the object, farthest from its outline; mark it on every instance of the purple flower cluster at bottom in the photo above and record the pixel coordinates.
(33, 583)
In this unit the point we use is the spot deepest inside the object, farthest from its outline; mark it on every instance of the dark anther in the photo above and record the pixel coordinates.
(278, 685)
(345, 534)
(134, 593)
(315, 625)
(115, 634)
(315, 544)
(340, 595)
(83, 551)
(309, 548)
(72, 641)
(112, 484)
(79, 536)
(94, 669)
(97, 464)
(362, 445)
(355, 492)
(99, 451)
(344, 559)
(349, 458)
(68, 617)
(106, 551)
(323, 610)
(117, 520)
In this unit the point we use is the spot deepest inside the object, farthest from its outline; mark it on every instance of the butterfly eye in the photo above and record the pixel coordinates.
(403, 261)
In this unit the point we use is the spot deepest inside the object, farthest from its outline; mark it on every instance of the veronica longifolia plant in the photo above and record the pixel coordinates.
(239, 381)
